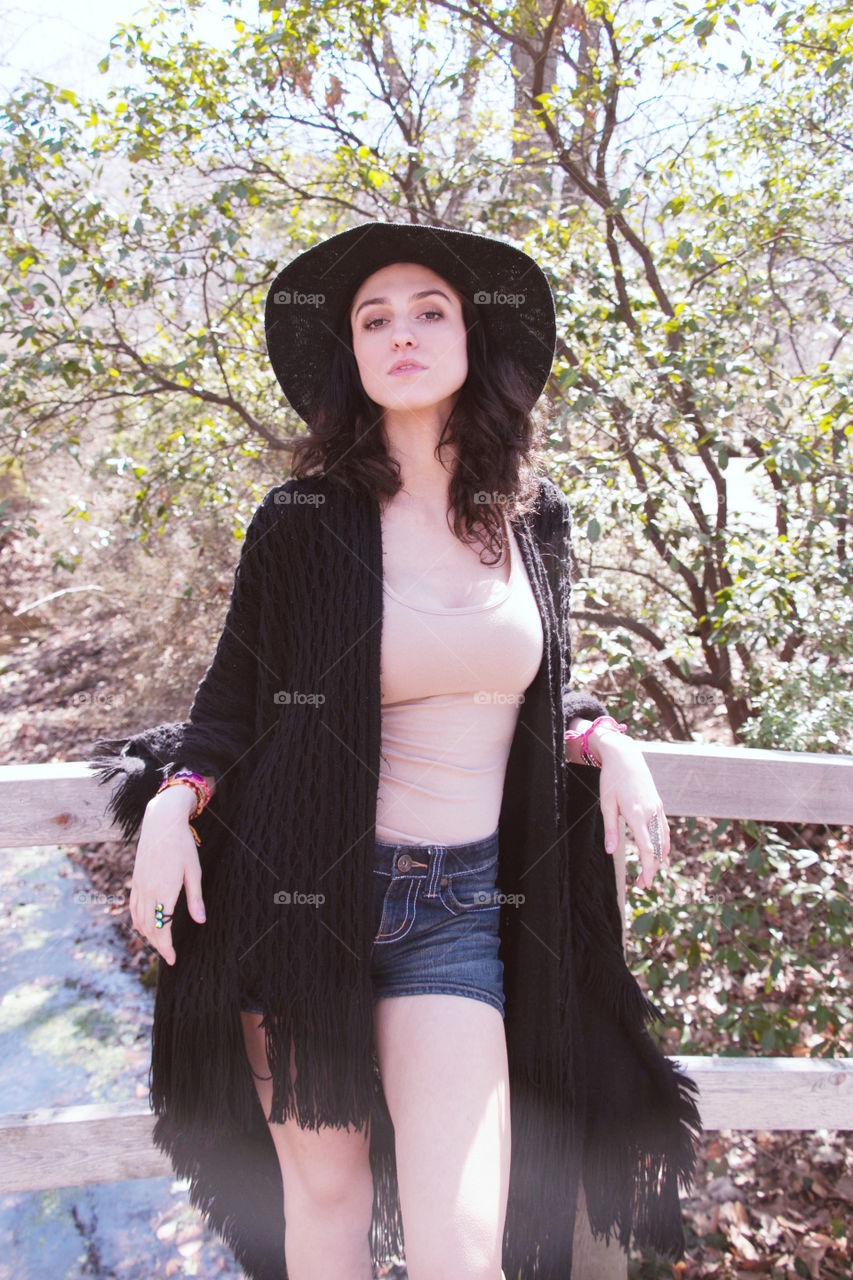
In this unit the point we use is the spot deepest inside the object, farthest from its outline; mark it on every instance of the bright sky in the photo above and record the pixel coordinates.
(60, 41)
(64, 40)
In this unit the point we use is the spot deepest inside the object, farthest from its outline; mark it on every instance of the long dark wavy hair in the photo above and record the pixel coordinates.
(500, 446)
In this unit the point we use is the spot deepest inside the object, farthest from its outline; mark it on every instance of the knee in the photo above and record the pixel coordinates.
(343, 1193)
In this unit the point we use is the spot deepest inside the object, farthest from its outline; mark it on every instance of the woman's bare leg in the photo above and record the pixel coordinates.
(444, 1071)
(328, 1184)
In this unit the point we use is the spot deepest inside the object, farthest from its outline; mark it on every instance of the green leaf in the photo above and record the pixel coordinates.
(645, 922)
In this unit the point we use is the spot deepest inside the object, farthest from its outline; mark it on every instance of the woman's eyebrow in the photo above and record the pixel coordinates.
(422, 293)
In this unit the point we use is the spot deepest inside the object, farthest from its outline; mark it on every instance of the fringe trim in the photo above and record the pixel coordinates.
(142, 761)
(637, 1190)
(247, 1212)
(544, 1176)
(319, 1096)
(642, 1122)
(642, 1129)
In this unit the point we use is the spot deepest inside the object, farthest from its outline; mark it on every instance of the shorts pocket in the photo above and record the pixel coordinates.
(472, 891)
(397, 910)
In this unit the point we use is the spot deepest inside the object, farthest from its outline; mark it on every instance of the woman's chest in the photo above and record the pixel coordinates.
(424, 563)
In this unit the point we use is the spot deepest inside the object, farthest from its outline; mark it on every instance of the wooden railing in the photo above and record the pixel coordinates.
(56, 804)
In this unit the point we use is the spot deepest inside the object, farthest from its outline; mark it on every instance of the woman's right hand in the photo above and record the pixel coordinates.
(166, 860)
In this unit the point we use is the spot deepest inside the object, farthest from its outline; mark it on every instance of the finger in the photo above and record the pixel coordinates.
(643, 880)
(161, 939)
(647, 872)
(192, 886)
(645, 848)
(657, 841)
(666, 839)
(663, 828)
(610, 814)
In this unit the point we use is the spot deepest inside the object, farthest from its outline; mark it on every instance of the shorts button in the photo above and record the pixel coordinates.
(404, 861)
(443, 881)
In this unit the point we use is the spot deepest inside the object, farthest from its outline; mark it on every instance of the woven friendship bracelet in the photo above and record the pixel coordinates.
(575, 735)
(186, 778)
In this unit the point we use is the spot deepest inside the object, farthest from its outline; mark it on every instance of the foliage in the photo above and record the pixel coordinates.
(683, 174)
(745, 971)
(699, 256)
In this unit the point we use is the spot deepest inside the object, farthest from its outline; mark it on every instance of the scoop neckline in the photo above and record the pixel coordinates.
(467, 608)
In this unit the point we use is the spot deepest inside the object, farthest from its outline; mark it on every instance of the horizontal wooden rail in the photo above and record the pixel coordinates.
(74, 1146)
(62, 803)
(772, 1093)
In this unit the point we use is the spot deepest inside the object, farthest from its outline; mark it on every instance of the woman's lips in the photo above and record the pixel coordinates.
(407, 368)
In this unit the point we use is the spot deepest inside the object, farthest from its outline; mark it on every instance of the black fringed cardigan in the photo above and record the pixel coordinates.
(592, 1096)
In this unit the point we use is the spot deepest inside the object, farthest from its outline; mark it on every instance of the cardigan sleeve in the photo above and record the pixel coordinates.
(221, 726)
(576, 702)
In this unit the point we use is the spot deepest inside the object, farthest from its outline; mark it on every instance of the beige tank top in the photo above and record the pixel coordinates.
(453, 681)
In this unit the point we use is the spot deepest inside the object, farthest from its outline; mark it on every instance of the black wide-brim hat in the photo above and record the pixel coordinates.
(309, 299)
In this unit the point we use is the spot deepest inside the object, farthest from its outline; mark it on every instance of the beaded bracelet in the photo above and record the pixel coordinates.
(575, 735)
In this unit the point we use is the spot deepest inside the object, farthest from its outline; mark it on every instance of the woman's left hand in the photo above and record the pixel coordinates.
(627, 787)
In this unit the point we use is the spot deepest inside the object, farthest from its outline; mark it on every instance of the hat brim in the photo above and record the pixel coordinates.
(307, 300)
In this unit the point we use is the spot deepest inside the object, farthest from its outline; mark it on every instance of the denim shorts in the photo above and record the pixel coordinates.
(436, 909)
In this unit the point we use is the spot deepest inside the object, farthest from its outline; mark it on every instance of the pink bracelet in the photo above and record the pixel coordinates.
(575, 735)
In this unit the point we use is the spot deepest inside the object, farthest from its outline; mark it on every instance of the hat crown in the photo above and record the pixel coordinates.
(307, 302)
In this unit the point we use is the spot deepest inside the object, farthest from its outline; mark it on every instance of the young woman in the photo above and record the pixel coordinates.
(400, 808)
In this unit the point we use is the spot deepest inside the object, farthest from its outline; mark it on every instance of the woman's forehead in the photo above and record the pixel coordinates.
(397, 277)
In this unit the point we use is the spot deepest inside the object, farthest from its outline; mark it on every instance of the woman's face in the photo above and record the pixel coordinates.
(407, 312)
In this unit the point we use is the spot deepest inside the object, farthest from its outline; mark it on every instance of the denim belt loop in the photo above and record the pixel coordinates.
(436, 870)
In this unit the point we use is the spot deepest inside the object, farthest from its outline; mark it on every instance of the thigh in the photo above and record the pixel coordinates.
(444, 1072)
(321, 1167)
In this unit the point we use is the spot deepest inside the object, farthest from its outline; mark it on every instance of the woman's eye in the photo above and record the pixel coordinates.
(378, 320)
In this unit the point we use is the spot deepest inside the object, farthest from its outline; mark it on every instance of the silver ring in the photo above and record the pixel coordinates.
(655, 833)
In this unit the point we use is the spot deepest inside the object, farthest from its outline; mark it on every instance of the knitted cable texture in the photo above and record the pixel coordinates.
(287, 718)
